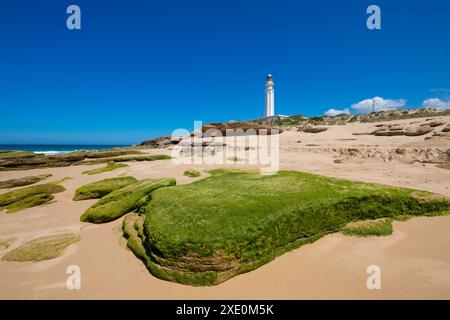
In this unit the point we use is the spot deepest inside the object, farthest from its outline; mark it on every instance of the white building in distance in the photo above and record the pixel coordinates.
(270, 97)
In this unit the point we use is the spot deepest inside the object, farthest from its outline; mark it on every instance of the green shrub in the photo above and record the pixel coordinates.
(101, 188)
(123, 200)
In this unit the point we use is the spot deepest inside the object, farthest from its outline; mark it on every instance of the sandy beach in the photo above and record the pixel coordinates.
(415, 259)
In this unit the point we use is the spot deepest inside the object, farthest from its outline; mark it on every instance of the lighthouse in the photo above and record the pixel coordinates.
(270, 99)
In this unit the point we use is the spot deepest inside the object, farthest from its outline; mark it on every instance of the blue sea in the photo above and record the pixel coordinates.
(55, 148)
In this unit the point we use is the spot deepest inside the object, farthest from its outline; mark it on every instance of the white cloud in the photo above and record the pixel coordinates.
(334, 112)
(436, 103)
(365, 106)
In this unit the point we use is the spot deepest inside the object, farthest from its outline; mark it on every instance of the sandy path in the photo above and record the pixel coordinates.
(415, 260)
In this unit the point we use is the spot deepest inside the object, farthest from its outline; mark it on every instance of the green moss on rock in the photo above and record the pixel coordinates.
(112, 153)
(15, 154)
(192, 173)
(208, 231)
(43, 248)
(31, 201)
(123, 200)
(20, 182)
(109, 167)
(20, 194)
(129, 158)
(98, 189)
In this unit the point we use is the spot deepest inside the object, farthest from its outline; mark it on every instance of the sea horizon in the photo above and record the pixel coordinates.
(57, 148)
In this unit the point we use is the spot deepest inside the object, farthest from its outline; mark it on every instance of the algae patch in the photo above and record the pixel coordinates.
(43, 248)
(101, 188)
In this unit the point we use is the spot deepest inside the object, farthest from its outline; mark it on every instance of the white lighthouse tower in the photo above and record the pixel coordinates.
(270, 99)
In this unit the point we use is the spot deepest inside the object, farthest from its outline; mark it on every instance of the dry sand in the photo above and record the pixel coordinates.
(414, 261)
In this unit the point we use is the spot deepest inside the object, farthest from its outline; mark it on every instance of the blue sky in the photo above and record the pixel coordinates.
(139, 69)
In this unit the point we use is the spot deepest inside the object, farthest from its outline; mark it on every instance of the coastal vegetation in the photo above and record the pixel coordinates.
(124, 200)
(342, 119)
(110, 166)
(41, 249)
(185, 235)
(192, 173)
(20, 182)
(101, 188)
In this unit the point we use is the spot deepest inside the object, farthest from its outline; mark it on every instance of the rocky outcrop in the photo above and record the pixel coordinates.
(110, 153)
(161, 142)
(309, 129)
(418, 131)
(25, 181)
(237, 128)
(41, 161)
(403, 130)
(433, 124)
(20, 161)
(405, 155)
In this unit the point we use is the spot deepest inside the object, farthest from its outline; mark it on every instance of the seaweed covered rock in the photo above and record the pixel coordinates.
(111, 153)
(28, 202)
(192, 173)
(191, 238)
(124, 200)
(132, 227)
(150, 157)
(27, 161)
(20, 194)
(68, 157)
(25, 181)
(21, 160)
(110, 166)
(98, 189)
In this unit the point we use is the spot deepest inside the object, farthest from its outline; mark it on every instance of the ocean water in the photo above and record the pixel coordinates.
(55, 148)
